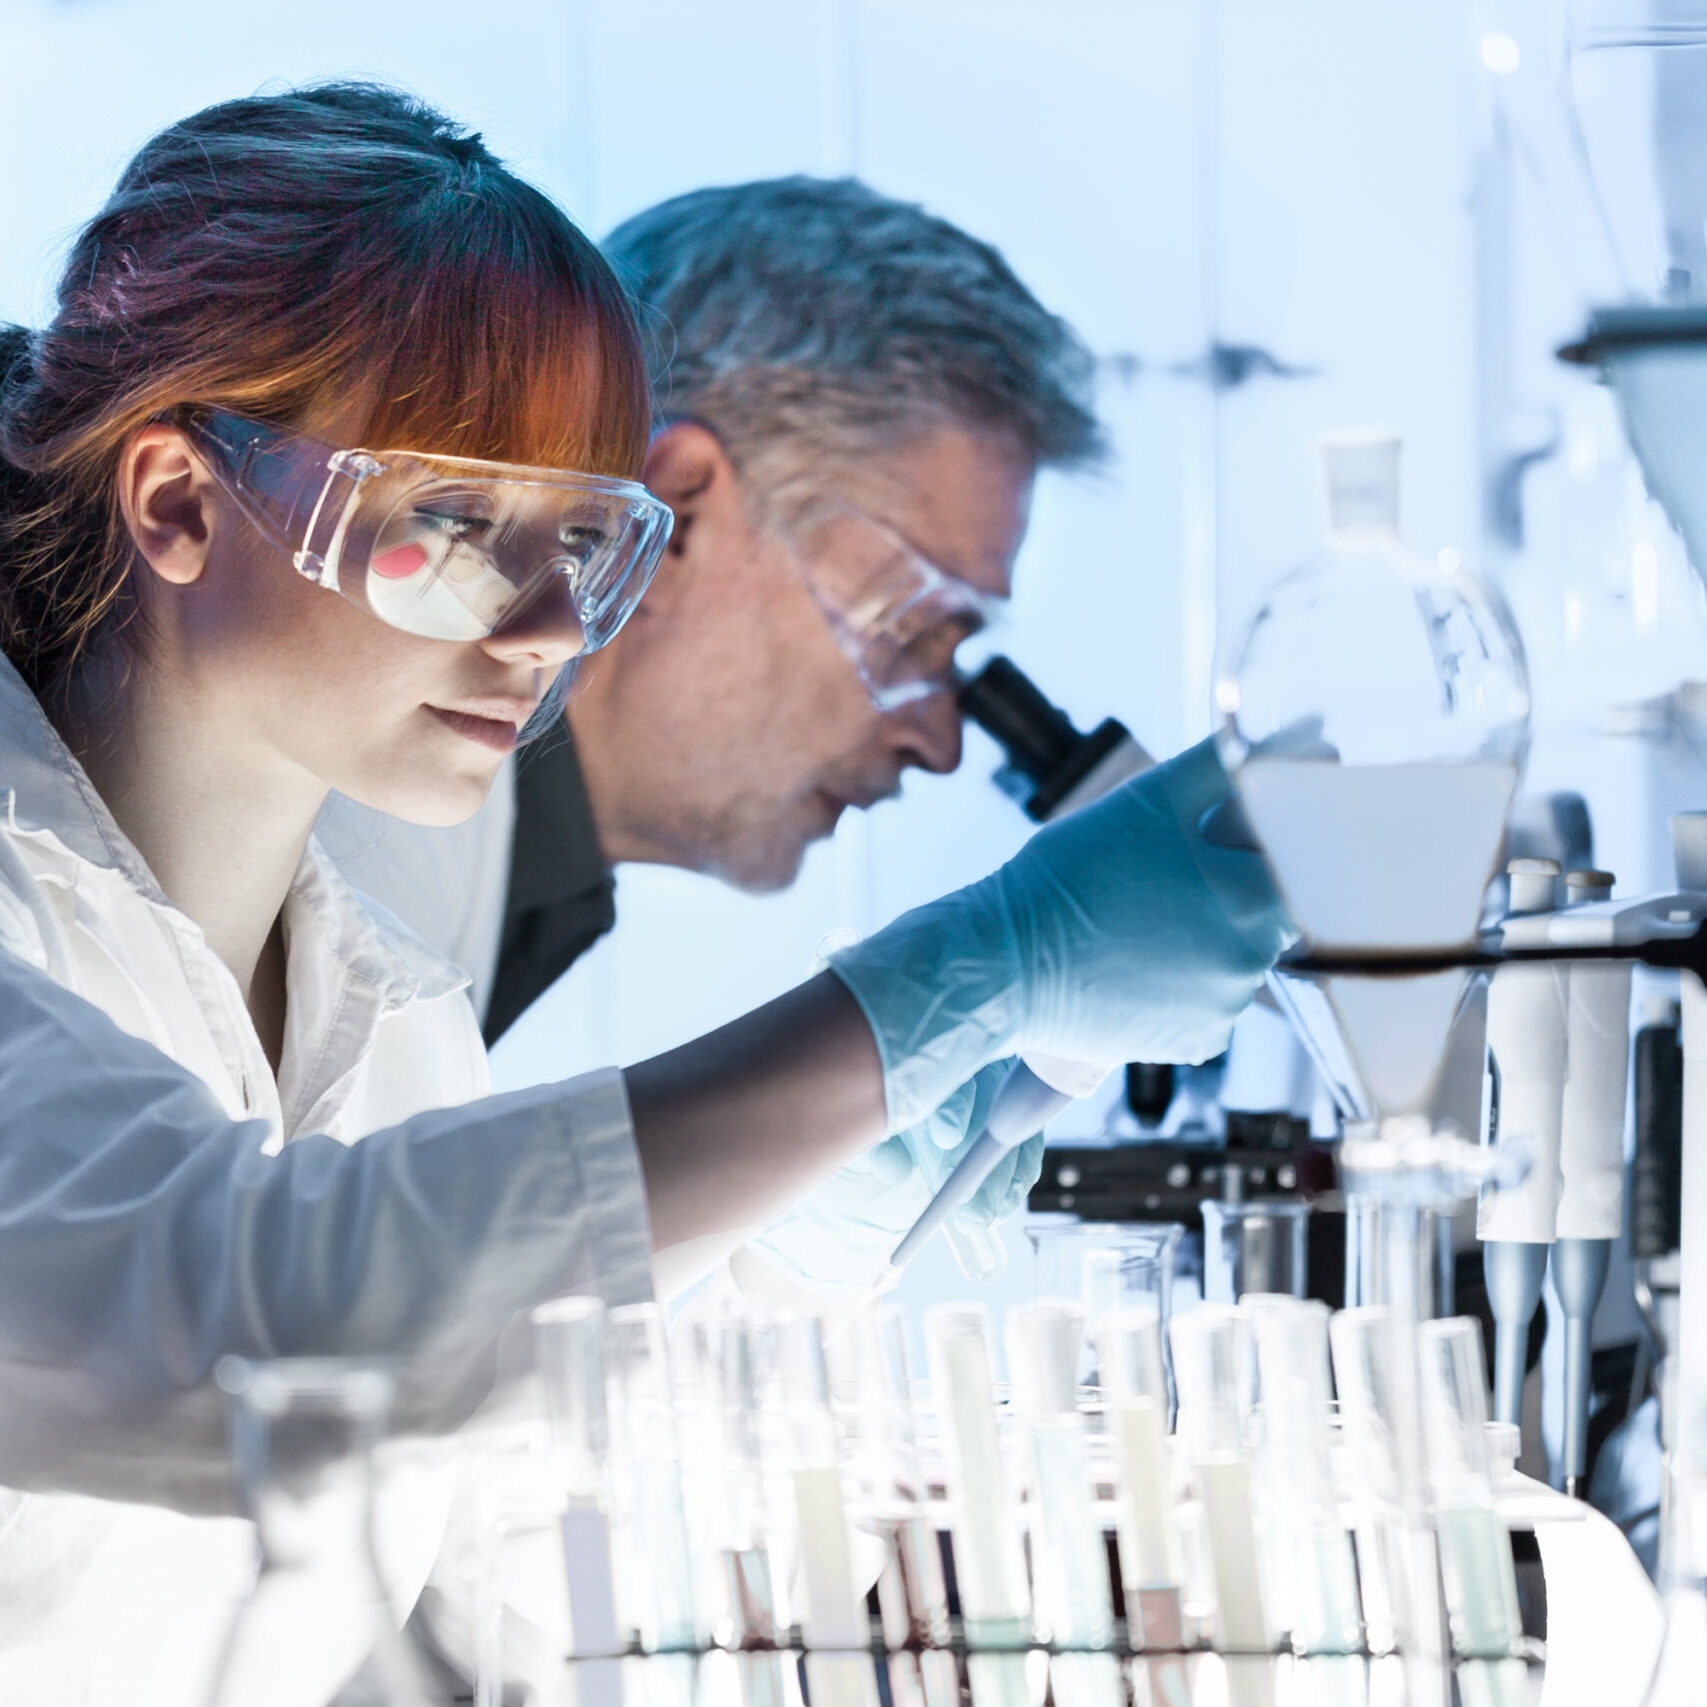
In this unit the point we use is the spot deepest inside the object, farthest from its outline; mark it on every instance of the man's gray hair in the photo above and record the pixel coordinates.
(809, 322)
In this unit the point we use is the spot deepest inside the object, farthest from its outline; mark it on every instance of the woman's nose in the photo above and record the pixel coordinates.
(545, 633)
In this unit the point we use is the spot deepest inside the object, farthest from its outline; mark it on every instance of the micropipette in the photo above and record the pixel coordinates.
(1021, 1107)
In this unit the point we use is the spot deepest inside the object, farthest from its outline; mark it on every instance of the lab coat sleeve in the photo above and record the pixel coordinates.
(144, 1234)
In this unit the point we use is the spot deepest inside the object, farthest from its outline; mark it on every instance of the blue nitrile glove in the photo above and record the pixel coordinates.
(838, 1237)
(1116, 934)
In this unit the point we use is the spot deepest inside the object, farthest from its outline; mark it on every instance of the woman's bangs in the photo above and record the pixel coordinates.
(514, 369)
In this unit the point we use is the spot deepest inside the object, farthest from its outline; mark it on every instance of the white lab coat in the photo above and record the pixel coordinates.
(447, 884)
(153, 1219)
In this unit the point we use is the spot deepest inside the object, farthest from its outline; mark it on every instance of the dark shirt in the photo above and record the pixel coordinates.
(562, 895)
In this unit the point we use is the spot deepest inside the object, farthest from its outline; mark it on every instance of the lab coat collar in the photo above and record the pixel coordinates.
(48, 793)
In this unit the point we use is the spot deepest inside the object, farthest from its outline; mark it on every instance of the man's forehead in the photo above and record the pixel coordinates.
(960, 498)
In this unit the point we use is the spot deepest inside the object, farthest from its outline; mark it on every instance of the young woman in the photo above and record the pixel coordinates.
(319, 478)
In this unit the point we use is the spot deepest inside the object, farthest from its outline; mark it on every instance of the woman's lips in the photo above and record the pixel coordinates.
(497, 733)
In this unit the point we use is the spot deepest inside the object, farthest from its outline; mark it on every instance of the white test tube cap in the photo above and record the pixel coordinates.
(1534, 884)
(1360, 466)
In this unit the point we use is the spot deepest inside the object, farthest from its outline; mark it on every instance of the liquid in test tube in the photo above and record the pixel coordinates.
(871, 1376)
(1211, 1368)
(1135, 1406)
(569, 1349)
(654, 1574)
(989, 1563)
(834, 1628)
(1475, 1549)
(1314, 1548)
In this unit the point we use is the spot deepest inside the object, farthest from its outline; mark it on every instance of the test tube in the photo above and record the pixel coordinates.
(1314, 1551)
(869, 1365)
(733, 1504)
(1475, 1550)
(1374, 1359)
(989, 1565)
(1135, 1404)
(1069, 1563)
(654, 1576)
(1211, 1371)
(569, 1348)
(834, 1628)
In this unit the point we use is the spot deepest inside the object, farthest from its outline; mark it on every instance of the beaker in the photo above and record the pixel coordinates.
(303, 1433)
(1254, 1247)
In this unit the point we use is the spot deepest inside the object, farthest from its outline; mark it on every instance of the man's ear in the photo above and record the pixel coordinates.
(687, 467)
(164, 493)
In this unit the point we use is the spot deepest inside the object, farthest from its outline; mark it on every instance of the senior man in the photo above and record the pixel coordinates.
(853, 399)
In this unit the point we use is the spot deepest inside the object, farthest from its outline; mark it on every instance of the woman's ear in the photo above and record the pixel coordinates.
(165, 495)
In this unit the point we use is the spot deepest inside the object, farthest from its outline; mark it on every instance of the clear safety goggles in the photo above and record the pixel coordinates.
(894, 614)
(446, 547)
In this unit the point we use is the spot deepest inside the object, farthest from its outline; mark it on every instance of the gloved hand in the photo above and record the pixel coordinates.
(1116, 934)
(839, 1236)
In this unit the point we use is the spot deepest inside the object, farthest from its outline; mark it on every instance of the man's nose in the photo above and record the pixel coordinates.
(545, 635)
(928, 733)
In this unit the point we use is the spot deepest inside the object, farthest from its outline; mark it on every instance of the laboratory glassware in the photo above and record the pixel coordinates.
(1376, 1377)
(1476, 1567)
(303, 1437)
(989, 1566)
(870, 1379)
(1136, 1409)
(739, 1488)
(569, 1336)
(1254, 1246)
(1072, 1594)
(1212, 1371)
(1312, 1548)
(655, 1590)
(1375, 717)
(833, 1625)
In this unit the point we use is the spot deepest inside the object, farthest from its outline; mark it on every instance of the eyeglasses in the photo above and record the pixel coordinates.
(446, 547)
(895, 615)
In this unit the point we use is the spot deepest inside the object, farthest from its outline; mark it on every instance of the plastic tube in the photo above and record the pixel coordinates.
(988, 1563)
(1375, 1374)
(1211, 1371)
(1069, 1563)
(1135, 1403)
(869, 1370)
(1475, 1552)
(654, 1579)
(1314, 1549)
(569, 1345)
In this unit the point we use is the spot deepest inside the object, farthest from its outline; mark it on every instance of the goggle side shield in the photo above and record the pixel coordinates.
(896, 616)
(449, 548)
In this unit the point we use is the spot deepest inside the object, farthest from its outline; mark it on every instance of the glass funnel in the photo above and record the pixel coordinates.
(1375, 716)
